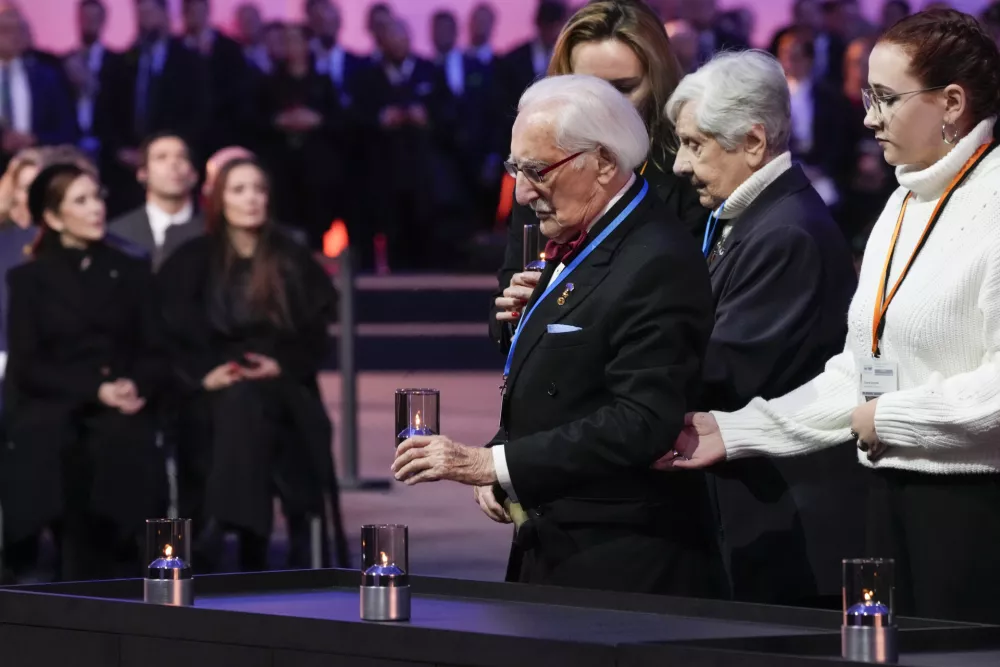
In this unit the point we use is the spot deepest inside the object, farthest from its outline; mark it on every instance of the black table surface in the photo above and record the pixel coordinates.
(292, 619)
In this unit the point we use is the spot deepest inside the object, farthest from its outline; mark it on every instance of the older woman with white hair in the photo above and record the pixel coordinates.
(604, 362)
(782, 279)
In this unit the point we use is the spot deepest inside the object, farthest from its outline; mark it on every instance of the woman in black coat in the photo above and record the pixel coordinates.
(625, 44)
(246, 313)
(85, 364)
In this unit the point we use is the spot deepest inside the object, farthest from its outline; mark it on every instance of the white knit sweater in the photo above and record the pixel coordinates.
(942, 329)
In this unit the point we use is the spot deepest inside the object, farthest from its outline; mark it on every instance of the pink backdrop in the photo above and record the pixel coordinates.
(54, 24)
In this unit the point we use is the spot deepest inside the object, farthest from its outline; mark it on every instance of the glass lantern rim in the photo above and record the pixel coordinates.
(384, 525)
(418, 391)
(868, 561)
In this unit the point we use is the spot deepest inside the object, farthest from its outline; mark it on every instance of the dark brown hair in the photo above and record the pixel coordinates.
(267, 294)
(634, 24)
(945, 47)
(46, 195)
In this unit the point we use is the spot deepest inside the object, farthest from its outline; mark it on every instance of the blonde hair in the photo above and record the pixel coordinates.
(635, 25)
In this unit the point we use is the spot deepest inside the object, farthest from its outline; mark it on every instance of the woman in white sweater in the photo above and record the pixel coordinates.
(918, 390)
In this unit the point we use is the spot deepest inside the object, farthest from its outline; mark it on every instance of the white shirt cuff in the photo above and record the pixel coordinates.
(503, 474)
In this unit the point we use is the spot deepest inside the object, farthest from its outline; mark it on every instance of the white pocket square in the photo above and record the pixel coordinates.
(562, 328)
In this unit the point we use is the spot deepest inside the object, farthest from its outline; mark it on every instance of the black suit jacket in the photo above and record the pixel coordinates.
(229, 78)
(782, 287)
(69, 330)
(831, 134)
(179, 99)
(134, 227)
(104, 112)
(677, 195)
(587, 412)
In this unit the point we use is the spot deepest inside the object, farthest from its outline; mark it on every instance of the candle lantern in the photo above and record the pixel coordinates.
(168, 552)
(869, 628)
(385, 585)
(534, 248)
(418, 412)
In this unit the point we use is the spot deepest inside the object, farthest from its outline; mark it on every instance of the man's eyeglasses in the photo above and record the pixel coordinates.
(534, 174)
(872, 100)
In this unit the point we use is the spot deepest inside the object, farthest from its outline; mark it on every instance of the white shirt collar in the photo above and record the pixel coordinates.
(20, 93)
(160, 221)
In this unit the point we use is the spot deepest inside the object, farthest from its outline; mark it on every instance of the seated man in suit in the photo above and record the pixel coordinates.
(168, 217)
(602, 369)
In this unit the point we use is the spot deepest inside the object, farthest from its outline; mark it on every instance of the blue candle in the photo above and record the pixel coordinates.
(868, 609)
(168, 561)
(537, 265)
(415, 429)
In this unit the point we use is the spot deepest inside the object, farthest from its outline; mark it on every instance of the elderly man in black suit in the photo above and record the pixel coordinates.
(605, 363)
(168, 218)
(782, 278)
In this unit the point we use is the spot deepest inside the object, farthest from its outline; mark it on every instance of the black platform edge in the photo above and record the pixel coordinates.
(386, 641)
(231, 584)
(647, 655)
(912, 640)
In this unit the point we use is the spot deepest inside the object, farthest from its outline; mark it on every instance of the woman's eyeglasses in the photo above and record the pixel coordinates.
(872, 100)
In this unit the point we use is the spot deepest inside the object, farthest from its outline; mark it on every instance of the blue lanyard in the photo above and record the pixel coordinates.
(569, 269)
(713, 220)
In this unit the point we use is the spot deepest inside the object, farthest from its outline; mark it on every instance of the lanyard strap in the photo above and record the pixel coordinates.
(713, 221)
(569, 269)
(882, 299)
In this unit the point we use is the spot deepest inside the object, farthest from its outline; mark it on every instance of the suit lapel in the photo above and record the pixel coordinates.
(584, 279)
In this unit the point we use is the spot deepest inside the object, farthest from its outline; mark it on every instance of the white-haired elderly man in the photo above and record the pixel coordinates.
(602, 368)
(782, 278)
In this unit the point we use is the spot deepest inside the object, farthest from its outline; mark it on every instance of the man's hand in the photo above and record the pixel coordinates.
(392, 117)
(517, 296)
(417, 115)
(487, 500)
(429, 458)
(130, 157)
(699, 444)
(222, 376)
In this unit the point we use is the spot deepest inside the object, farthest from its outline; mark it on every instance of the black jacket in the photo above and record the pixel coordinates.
(74, 324)
(781, 289)
(587, 412)
(679, 198)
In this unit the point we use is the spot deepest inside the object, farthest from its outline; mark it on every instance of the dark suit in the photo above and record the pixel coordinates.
(52, 118)
(134, 227)
(516, 71)
(94, 472)
(229, 78)
(831, 134)
(587, 412)
(679, 198)
(782, 287)
(177, 98)
(96, 138)
(403, 188)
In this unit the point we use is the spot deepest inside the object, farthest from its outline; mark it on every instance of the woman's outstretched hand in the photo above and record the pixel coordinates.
(699, 445)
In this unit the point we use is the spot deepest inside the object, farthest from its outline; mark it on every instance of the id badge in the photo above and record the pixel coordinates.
(878, 377)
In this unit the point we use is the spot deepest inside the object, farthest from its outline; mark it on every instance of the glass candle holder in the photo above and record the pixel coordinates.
(868, 633)
(418, 412)
(169, 577)
(534, 248)
(385, 585)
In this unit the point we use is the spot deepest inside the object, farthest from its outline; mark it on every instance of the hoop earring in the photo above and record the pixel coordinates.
(950, 140)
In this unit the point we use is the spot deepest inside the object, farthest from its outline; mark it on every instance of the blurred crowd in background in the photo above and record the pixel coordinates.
(405, 148)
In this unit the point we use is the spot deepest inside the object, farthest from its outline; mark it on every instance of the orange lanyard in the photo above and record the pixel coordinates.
(882, 300)
(643, 170)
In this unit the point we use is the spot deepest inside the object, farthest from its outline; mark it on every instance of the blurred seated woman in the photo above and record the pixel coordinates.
(246, 313)
(84, 366)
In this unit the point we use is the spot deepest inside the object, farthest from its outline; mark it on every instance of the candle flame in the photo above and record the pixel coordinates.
(868, 595)
(416, 421)
(385, 559)
(541, 256)
(168, 551)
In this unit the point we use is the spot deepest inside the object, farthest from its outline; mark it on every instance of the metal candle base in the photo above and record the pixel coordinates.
(869, 644)
(385, 603)
(174, 592)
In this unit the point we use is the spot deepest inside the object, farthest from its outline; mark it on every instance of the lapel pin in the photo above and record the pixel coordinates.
(562, 299)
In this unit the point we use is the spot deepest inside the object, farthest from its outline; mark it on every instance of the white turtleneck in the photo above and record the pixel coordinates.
(749, 189)
(942, 329)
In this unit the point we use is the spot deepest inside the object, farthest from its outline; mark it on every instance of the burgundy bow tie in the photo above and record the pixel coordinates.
(563, 253)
